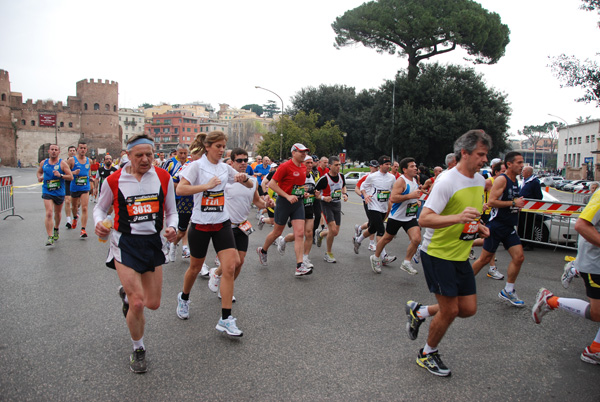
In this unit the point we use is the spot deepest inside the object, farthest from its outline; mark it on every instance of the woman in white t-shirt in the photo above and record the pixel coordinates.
(205, 179)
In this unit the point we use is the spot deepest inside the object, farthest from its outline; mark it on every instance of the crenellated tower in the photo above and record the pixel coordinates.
(7, 127)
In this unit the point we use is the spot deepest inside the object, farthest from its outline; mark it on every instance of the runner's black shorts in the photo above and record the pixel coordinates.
(500, 233)
(448, 278)
(56, 199)
(332, 211)
(78, 194)
(184, 221)
(376, 224)
(284, 211)
(241, 240)
(199, 237)
(142, 253)
(393, 225)
(592, 285)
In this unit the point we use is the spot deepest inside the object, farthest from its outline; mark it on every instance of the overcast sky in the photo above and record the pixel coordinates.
(217, 52)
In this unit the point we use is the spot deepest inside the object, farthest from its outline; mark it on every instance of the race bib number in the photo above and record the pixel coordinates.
(412, 208)
(298, 191)
(213, 201)
(94, 173)
(53, 185)
(81, 181)
(308, 201)
(246, 227)
(336, 195)
(142, 208)
(470, 231)
(383, 195)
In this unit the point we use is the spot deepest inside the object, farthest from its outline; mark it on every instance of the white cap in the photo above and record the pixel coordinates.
(308, 157)
(299, 147)
(494, 161)
(273, 165)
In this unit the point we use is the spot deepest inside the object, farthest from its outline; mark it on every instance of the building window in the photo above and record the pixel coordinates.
(71, 124)
(176, 130)
(96, 106)
(62, 123)
(578, 159)
(85, 106)
(107, 108)
(33, 122)
(3, 97)
(23, 122)
(593, 139)
(587, 139)
(114, 108)
(579, 142)
(570, 141)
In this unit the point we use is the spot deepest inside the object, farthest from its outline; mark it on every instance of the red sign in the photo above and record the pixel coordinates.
(343, 157)
(47, 120)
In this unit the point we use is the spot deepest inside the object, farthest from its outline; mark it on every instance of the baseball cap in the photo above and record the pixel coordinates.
(494, 161)
(273, 165)
(308, 158)
(299, 147)
(374, 163)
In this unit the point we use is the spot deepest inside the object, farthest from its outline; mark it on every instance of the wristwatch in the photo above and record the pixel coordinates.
(514, 203)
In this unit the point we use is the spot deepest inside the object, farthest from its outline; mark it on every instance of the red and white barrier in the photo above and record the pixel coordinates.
(552, 208)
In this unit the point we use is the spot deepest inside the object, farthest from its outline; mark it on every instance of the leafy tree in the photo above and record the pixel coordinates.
(271, 108)
(254, 108)
(582, 119)
(146, 105)
(574, 73)
(434, 110)
(325, 140)
(536, 133)
(420, 29)
(343, 105)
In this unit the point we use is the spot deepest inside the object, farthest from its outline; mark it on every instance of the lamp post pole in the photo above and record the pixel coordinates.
(281, 136)
(565, 162)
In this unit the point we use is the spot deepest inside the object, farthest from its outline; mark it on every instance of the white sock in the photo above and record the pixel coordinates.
(383, 252)
(69, 219)
(406, 262)
(428, 349)
(492, 267)
(186, 247)
(573, 306)
(510, 287)
(423, 312)
(138, 344)
(360, 238)
(372, 242)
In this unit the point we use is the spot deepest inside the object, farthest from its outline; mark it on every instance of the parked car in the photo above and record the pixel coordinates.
(562, 184)
(353, 177)
(570, 186)
(552, 229)
(582, 186)
(551, 181)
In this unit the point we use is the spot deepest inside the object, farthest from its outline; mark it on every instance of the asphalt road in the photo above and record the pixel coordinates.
(338, 334)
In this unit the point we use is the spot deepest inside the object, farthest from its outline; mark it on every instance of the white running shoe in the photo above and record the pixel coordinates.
(261, 222)
(408, 268)
(280, 241)
(307, 262)
(185, 252)
(511, 297)
(494, 274)
(214, 280)
(568, 274)
(388, 259)
(417, 257)
(229, 327)
(165, 249)
(205, 271)
(183, 307)
(357, 230)
(372, 246)
(356, 244)
(262, 257)
(303, 270)
(472, 255)
(172, 252)
(329, 258)
(590, 357)
(233, 299)
(541, 307)
(375, 264)
(319, 237)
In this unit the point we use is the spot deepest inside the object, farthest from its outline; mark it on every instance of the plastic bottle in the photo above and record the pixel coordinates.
(108, 223)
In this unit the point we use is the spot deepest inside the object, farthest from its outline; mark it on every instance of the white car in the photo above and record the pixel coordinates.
(353, 177)
(551, 180)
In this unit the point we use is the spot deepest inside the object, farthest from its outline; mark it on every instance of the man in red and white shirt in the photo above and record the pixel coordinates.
(288, 182)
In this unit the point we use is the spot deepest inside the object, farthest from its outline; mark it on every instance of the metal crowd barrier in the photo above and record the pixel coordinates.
(581, 196)
(7, 200)
(549, 223)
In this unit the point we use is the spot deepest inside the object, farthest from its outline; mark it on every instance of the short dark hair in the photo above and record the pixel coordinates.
(384, 159)
(510, 157)
(238, 151)
(333, 158)
(405, 162)
(71, 146)
(496, 168)
(81, 142)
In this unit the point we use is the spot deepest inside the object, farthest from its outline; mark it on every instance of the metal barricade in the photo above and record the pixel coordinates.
(581, 196)
(7, 200)
(549, 223)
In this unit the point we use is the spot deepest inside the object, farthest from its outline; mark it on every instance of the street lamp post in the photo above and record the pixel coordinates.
(566, 163)
(281, 136)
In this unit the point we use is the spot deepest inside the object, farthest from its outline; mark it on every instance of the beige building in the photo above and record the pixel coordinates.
(131, 122)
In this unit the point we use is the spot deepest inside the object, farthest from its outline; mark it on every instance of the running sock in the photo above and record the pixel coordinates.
(298, 264)
(492, 268)
(360, 238)
(574, 306)
(406, 262)
(423, 312)
(262, 250)
(138, 344)
(225, 313)
(185, 296)
(510, 287)
(428, 349)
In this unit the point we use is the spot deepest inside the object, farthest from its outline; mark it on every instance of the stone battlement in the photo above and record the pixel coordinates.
(3, 75)
(97, 82)
(43, 105)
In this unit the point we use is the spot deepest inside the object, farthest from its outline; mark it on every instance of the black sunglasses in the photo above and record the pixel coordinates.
(242, 160)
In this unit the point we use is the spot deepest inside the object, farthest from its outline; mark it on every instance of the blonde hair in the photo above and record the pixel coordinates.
(203, 140)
